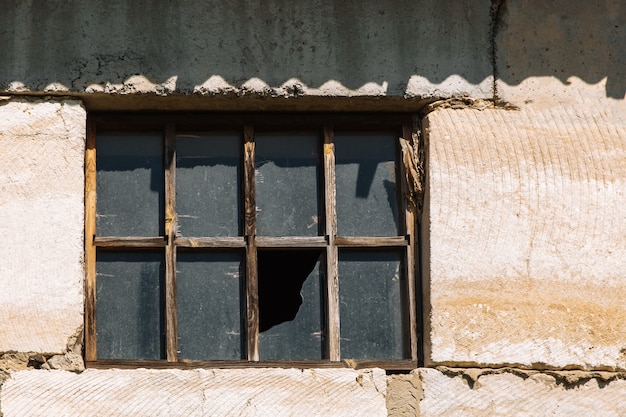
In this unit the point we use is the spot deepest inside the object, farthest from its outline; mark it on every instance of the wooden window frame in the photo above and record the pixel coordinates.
(327, 124)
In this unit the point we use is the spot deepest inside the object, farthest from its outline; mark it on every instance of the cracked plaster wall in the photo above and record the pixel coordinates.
(41, 204)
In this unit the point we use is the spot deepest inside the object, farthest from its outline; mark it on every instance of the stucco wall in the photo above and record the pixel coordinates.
(526, 227)
(523, 247)
(41, 203)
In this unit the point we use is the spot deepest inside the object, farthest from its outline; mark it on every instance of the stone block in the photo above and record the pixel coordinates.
(525, 237)
(509, 394)
(200, 392)
(41, 203)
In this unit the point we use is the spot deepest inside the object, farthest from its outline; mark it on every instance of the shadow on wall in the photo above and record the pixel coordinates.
(405, 47)
(563, 39)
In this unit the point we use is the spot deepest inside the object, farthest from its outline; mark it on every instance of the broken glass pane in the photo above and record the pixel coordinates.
(370, 304)
(208, 184)
(208, 289)
(366, 184)
(287, 172)
(129, 305)
(290, 305)
(130, 185)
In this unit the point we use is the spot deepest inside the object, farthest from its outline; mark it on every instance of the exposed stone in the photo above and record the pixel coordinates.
(69, 362)
(404, 392)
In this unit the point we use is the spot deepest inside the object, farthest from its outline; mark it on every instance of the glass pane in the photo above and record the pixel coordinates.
(129, 305)
(370, 305)
(129, 185)
(208, 181)
(366, 184)
(290, 305)
(287, 184)
(208, 290)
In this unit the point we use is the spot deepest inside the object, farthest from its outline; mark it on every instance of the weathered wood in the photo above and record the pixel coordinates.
(399, 365)
(210, 242)
(410, 304)
(332, 261)
(252, 282)
(129, 242)
(330, 124)
(291, 242)
(219, 121)
(90, 247)
(171, 322)
(395, 365)
(371, 242)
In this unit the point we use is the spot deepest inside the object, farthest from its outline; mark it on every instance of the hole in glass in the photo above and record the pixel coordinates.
(282, 274)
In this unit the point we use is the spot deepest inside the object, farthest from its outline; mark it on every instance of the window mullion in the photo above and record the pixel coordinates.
(409, 217)
(90, 247)
(332, 284)
(252, 282)
(171, 332)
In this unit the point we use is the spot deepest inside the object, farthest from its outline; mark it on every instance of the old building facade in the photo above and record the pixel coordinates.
(494, 206)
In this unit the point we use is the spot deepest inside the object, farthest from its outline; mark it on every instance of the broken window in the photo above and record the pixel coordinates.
(249, 238)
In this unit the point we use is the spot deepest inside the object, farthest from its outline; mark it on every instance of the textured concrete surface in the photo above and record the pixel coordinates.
(560, 51)
(536, 51)
(526, 259)
(151, 393)
(41, 207)
(528, 395)
(273, 47)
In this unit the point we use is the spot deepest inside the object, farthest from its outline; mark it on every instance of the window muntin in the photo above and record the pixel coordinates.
(230, 221)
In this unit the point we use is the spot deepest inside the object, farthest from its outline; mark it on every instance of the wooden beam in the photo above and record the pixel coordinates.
(90, 247)
(371, 242)
(400, 365)
(129, 242)
(291, 242)
(252, 282)
(332, 283)
(210, 242)
(410, 310)
(171, 321)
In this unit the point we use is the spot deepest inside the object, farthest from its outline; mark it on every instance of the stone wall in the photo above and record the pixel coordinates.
(522, 116)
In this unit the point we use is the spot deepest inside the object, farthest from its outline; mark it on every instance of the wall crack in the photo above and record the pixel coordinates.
(496, 23)
(566, 379)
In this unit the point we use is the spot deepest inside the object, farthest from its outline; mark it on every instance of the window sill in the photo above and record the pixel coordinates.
(394, 365)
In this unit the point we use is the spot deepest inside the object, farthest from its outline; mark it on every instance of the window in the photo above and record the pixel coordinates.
(235, 239)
